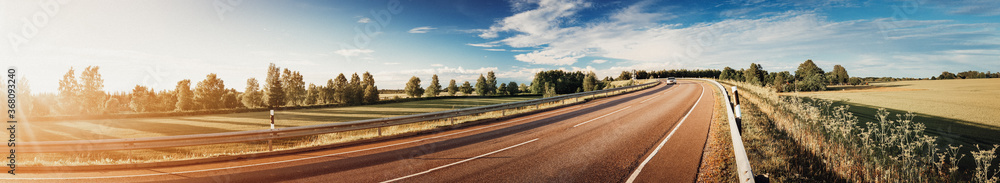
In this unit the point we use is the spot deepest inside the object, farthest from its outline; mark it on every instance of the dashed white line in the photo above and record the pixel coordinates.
(455, 163)
(588, 121)
(650, 98)
(635, 174)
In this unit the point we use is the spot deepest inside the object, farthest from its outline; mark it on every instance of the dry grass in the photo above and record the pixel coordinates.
(718, 162)
(973, 100)
(201, 124)
(831, 139)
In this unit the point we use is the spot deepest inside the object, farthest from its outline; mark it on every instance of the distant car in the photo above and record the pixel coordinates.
(671, 81)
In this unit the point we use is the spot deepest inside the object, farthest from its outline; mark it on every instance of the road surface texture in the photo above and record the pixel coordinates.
(653, 135)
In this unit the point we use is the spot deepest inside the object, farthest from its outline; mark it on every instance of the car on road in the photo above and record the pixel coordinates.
(671, 81)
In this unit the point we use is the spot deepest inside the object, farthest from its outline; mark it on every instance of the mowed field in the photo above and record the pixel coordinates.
(200, 124)
(967, 100)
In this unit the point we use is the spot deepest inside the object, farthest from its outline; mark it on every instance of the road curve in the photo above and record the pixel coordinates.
(653, 135)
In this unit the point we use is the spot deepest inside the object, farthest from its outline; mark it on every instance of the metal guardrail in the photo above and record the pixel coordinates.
(742, 162)
(269, 134)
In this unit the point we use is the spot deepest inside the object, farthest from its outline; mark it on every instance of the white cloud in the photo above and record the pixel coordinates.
(493, 49)
(599, 61)
(437, 65)
(780, 40)
(354, 52)
(421, 30)
(364, 20)
(484, 45)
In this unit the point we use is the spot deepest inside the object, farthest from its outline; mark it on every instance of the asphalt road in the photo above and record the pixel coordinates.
(653, 135)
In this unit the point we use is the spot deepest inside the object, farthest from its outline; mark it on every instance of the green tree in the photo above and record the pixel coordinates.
(370, 90)
(434, 88)
(590, 82)
(69, 94)
(185, 97)
(727, 74)
(481, 87)
(512, 88)
(371, 94)
(944, 75)
(550, 91)
(331, 89)
(841, 74)
(91, 90)
(813, 82)
(452, 88)
(855, 81)
(274, 94)
(141, 97)
(413, 88)
(295, 89)
(502, 90)
(208, 93)
(341, 92)
(466, 88)
(754, 75)
(251, 98)
(491, 83)
(312, 95)
(625, 76)
(356, 91)
(230, 99)
(806, 69)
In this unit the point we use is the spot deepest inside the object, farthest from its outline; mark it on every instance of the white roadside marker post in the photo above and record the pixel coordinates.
(736, 108)
(269, 146)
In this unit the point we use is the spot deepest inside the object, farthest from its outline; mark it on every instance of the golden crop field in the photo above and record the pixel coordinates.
(972, 100)
(199, 124)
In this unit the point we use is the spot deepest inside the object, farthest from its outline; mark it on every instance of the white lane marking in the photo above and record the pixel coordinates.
(658, 147)
(455, 163)
(276, 162)
(650, 98)
(588, 121)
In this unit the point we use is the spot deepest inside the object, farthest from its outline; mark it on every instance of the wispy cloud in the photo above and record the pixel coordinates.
(354, 52)
(421, 30)
(637, 37)
(484, 45)
(495, 49)
(364, 20)
(599, 61)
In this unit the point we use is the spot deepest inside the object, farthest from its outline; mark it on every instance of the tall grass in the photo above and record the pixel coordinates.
(892, 149)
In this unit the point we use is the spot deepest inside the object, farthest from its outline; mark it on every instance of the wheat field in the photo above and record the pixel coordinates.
(972, 100)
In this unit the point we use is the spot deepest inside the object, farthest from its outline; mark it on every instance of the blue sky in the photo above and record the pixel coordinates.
(157, 43)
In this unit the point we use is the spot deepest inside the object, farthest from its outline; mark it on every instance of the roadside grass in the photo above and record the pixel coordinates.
(718, 163)
(949, 131)
(774, 152)
(968, 100)
(89, 158)
(892, 148)
(201, 124)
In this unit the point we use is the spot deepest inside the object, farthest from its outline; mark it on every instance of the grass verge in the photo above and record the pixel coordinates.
(718, 163)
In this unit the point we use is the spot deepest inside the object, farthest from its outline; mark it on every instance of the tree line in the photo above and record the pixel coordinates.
(966, 75)
(808, 77)
(86, 95)
(485, 86)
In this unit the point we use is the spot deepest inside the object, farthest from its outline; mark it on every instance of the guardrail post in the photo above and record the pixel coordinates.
(736, 109)
(270, 147)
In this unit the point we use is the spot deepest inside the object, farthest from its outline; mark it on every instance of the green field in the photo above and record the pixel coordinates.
(184, 125)
(963, 100)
